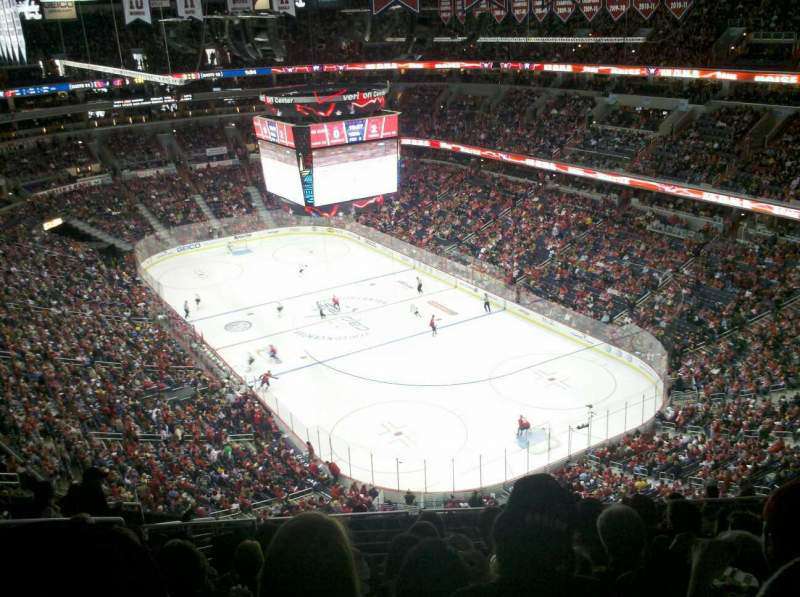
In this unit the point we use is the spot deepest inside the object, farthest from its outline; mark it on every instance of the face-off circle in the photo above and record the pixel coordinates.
(238, 326)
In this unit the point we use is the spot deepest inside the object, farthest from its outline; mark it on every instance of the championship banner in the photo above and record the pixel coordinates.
(590, 8)
(446, 10)
(678, 8)
(617, 8)
(190, 9)
(17, 23)
(540, 9)
(646, 8)
(5, 35)
(499, 10)
(136, 10)
(520, 9)
(563, 9)
(59, 11)
(236, 6)
(461, 10)
(284, 6)
(381, 5)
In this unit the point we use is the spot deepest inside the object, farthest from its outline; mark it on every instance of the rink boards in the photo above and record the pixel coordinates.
(485, 457)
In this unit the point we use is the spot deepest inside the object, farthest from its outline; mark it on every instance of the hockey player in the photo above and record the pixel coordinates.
(335, 301)
(523, 425)
(487, 306)
(273, 352)
(279, 308)
(419, 285)
(265, 379)
(197, 301)
(302, 269)
(432, 324)
(415, 311)
(321, 310)
(186, 309)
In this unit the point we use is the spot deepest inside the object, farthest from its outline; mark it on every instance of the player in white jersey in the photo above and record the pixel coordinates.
(197, 301)
(279, 308)
(415, 311)
(186, 309)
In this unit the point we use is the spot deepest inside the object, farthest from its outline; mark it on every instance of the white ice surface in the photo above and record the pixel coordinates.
(373, 385)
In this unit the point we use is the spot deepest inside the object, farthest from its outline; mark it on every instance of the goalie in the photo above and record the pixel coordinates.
(523, 426)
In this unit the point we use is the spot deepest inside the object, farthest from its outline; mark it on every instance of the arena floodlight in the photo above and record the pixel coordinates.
(123, 72)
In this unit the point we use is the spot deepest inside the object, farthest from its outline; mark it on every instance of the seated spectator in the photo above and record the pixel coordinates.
(533, 538)
(247, 562)
(398, 550)
(782, 525)
(87, 497)
(623, 535)
(309, 555)
(431, 569)
(184, 569)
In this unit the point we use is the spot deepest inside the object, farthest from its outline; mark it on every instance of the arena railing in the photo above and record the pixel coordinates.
(589, 430)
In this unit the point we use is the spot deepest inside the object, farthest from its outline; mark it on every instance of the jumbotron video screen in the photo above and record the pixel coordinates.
(351, 172)
(281, 175)
(328, 163)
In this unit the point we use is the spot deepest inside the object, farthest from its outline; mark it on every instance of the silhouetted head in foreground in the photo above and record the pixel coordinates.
(309, 555)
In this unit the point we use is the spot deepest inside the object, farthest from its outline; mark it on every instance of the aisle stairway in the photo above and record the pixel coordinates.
(99, 234)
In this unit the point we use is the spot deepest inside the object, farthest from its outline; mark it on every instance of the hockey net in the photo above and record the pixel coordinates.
(238, 247)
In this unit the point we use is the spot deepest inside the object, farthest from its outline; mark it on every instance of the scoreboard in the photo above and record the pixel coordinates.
(323, 163)
(358, 130)
(274, 131)
(329, 134)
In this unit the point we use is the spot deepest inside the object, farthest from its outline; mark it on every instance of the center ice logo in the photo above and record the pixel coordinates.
(342, 324)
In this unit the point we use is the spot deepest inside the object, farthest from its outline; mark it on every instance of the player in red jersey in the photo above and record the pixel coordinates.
(265, 379)
(523, 425)
(432, 324)
(273, 352)
(335, 301)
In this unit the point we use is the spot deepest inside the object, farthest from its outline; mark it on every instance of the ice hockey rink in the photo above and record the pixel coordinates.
(370, 386)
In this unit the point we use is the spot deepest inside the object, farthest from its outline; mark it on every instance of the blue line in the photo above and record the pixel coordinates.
(289, 298)
(393, 341)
